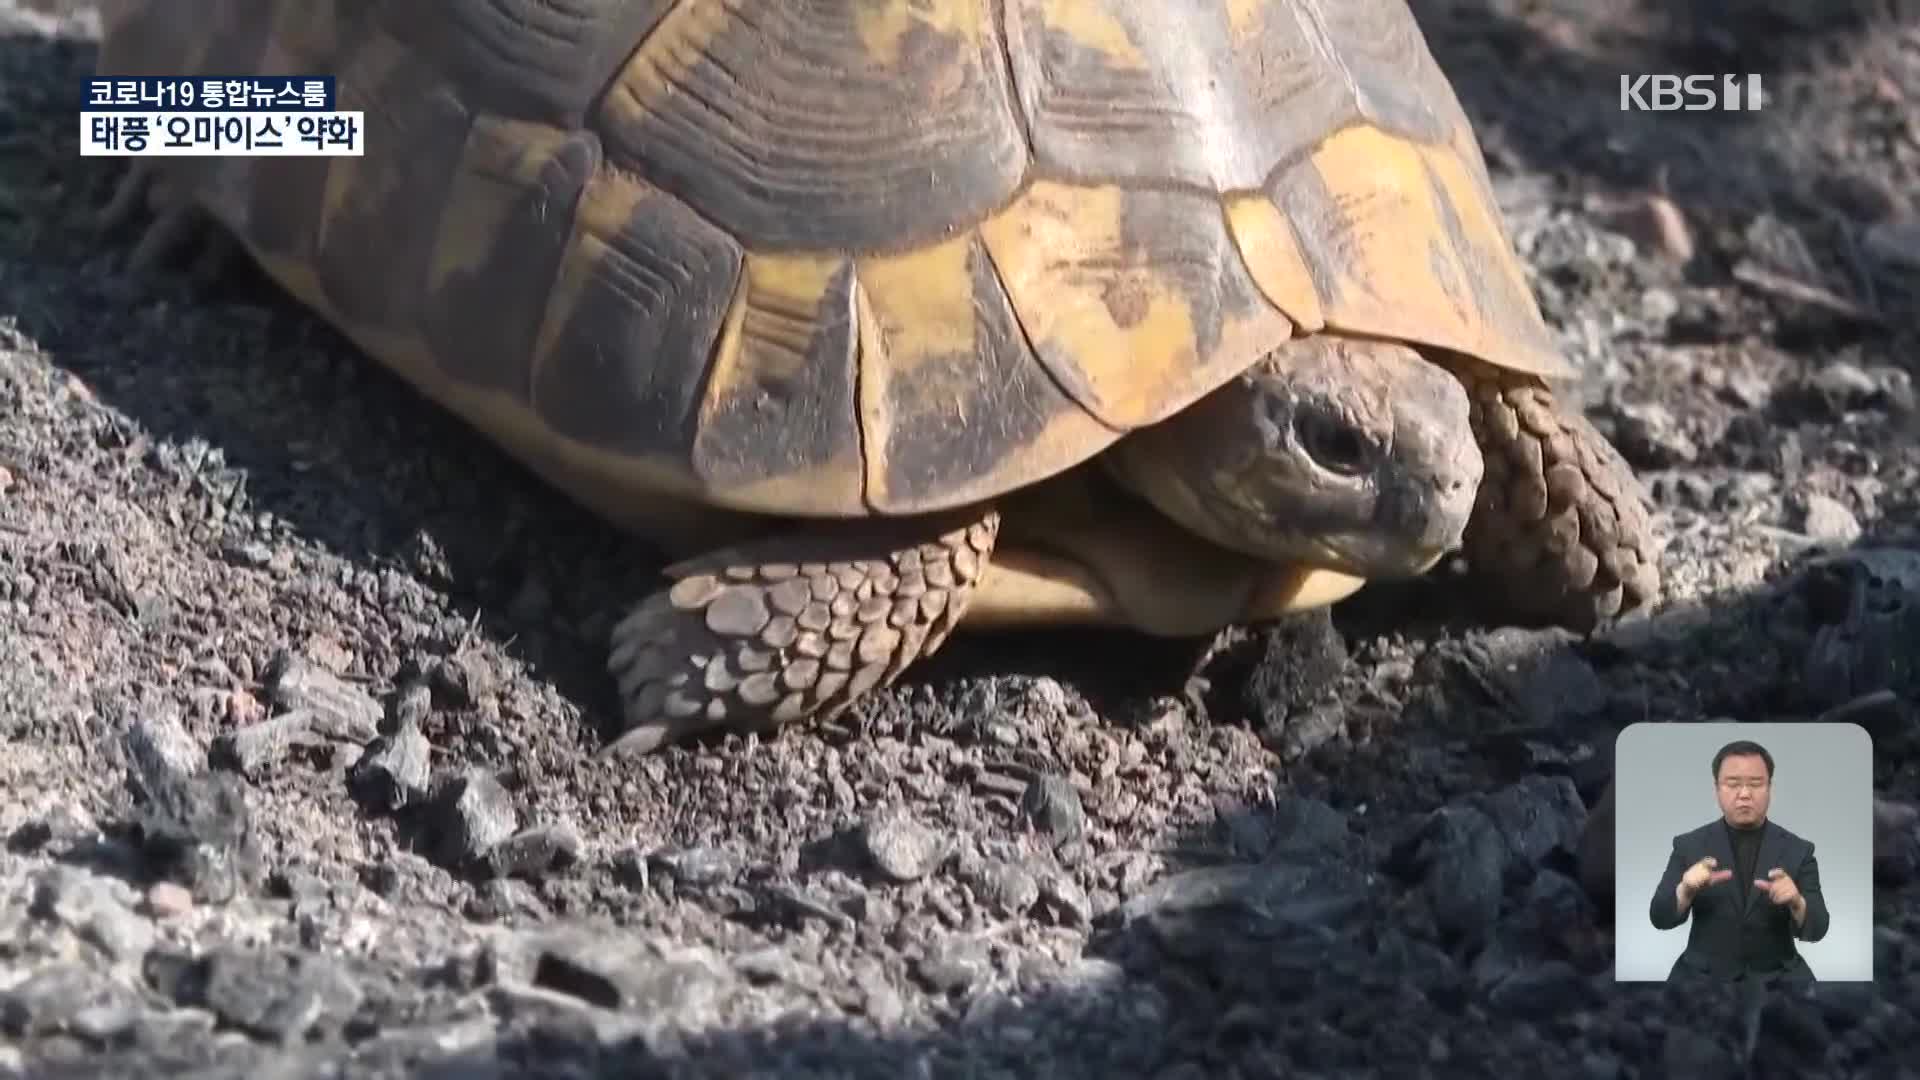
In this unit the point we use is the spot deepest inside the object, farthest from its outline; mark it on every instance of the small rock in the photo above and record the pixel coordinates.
(102, 1023)
(411, 704)
(624, 972)
(461, 680)
(700, 866)
(1596, 850)
(1866, 605)
(1278, 895)
(1896, 842)
(63, 997)
(901, 847)
(878, 999)
(1005, 886)
(1881, 714)
(1826, 520)
(1895, 243)
(251, 553)
(1659, 306)
(1654, 223)
(1792, 1031)
(1460, 858)
(499, 899)
(243, 709)
(804, 904)
(770, 965)
(252, 750)
(1537, 815)
(1840, 388)
(61, 825)
(1307, 827)
(339, 709)
(1053, 806)
(1649, 436)
(198, 830)
(535, 852)
(478, 813)
(161, 751)
(1545, 683)
(955, 965)
(280, 996)
(630, 868)
(1298, 666)
(88, 906)
(1305, 731)
(396, 771)
(325, 652)
(1548, 989)
(1748, 390)
(1064, 898)
(166, 900)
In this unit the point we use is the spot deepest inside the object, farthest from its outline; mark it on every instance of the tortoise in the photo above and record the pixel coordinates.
(889, 317)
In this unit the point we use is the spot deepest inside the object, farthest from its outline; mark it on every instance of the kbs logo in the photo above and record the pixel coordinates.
(1689, 93)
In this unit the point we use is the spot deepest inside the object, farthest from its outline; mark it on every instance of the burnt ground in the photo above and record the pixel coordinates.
(300, 682)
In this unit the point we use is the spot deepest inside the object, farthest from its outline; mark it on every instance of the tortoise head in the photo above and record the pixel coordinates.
(1351, 454)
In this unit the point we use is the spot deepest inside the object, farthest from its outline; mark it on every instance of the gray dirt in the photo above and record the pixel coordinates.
(301, 682)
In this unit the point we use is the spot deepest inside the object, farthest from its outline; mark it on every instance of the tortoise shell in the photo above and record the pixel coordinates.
(843, 257)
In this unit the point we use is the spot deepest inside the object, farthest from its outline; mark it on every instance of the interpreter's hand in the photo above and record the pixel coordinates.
(1778, 886)
(1702, 874)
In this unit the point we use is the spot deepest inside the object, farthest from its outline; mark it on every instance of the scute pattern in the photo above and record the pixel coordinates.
(778, 418)
(1218, 95)
(1400, 241)
(375, 244)
(822, 125)
(540, 60)
(857, 256)
(1135, 299)
(954, 403)
(631, 322)
(497, 253)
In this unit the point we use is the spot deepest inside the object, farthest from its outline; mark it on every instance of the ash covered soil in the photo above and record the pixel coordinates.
(301, 682)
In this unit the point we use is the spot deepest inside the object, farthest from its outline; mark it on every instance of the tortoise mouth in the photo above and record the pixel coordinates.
(1328, 540)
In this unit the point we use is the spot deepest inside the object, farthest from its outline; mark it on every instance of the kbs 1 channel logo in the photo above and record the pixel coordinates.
(204, 116)
(1689, 93)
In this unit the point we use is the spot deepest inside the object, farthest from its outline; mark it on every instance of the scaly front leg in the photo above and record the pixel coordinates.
(1561, 525)
(794, 626)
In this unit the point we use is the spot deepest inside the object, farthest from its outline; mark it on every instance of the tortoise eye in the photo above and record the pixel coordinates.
(1336, 446)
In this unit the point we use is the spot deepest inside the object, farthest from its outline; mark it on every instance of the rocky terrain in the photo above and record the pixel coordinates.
(301, 682)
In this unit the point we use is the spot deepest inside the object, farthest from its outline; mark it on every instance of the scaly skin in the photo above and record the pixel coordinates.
(795, 625)
(1560, 525)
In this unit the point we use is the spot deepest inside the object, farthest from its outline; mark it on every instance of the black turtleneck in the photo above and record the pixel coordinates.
(1746, 851)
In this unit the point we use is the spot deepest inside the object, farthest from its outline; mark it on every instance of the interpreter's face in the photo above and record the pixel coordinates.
(1744, 789)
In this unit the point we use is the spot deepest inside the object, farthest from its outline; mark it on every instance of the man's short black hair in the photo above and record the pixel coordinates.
(1742, 748)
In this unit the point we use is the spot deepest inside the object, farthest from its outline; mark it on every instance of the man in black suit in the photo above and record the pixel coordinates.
(1752, 887)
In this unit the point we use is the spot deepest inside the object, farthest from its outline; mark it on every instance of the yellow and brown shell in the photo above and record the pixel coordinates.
(836, 257)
